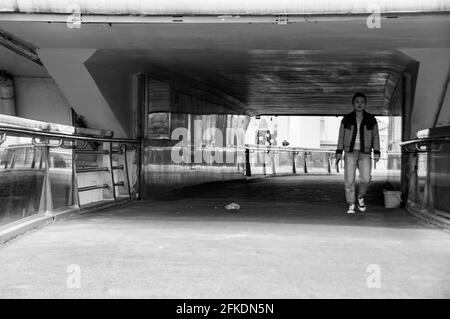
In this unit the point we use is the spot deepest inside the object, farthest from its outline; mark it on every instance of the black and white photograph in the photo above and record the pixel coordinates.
(223, 156)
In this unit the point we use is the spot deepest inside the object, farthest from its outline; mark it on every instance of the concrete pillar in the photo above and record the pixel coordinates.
(7, 96)
(433, 70)
(67, 67)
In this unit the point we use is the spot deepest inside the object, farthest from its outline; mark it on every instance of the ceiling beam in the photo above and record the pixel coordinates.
(19, 47)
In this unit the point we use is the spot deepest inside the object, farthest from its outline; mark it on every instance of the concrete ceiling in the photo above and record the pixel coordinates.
(273, 81)
(313, 67)
(338, 33)
(19, 66)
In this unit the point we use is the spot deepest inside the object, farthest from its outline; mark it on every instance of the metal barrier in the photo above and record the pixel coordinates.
(266, 160)
(46, 168)
(428, 176)
(175, 166)
(247, 160)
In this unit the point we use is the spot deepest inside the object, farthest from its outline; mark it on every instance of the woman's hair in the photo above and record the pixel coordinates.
(359, 94)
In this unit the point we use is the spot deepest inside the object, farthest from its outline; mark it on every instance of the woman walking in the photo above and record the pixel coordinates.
(358, 136)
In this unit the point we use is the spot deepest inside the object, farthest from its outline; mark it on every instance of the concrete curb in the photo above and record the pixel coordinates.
(22, 226)
(19, 227)
(102, 205)
(256, 176)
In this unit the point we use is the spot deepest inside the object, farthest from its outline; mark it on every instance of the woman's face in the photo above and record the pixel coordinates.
(359, 104)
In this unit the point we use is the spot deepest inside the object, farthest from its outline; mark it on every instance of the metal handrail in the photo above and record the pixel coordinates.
(288, 149)
(92, 187)
(2, 138)
(79, 144)
(426, 140)
(68, 136)
(422, 184)
(92, 152)
(36, 144)
(249, 147)
(92, 169)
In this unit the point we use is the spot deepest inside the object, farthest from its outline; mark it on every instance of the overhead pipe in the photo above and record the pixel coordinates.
(224, 8)
(20, 47)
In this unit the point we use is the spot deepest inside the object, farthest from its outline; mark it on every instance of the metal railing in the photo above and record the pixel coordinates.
(428, 171)
(48, 170)
(254, 159)
(248, 160)
(275, 160)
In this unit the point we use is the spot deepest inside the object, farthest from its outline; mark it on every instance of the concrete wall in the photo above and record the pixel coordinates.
(67, 67)
(444, 117)
(162, 171)
(116, 88)
(39, 98)
(433, 69)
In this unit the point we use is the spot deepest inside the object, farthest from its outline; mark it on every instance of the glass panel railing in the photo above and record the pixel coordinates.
(22, 172)
(170, 167)
(121, 155)
(46, 167)
(440, 177)
(422, 173)
(276, 160)
(260, 161)
(131, 158)
(94, 173)
(61, 177)
(284, 161)
(428, 177)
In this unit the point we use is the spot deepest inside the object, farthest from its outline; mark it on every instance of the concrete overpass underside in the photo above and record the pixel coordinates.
(114, 70)
(142, 72)
(312, 66)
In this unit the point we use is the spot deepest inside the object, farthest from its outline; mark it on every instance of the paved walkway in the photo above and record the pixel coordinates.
(290, 239)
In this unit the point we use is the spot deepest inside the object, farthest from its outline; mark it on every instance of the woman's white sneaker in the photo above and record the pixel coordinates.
(361, 205)
(351, 209)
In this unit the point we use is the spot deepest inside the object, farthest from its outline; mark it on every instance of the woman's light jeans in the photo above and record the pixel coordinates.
(363, 162)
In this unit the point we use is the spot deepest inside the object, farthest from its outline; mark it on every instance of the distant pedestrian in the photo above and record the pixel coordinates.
(358, 136)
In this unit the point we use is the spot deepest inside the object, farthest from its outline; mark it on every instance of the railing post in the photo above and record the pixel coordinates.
(294, 170)
(46, 203)
(305, 166)
(264, 162)
(113, 183)
(140, 152)
(273, 158)
(415, 176)
(337, 163)
(328, 159)
(248, 170)
(418, 198)
(125, 168)
(2, 138)
(429, 199)
(75, 195)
